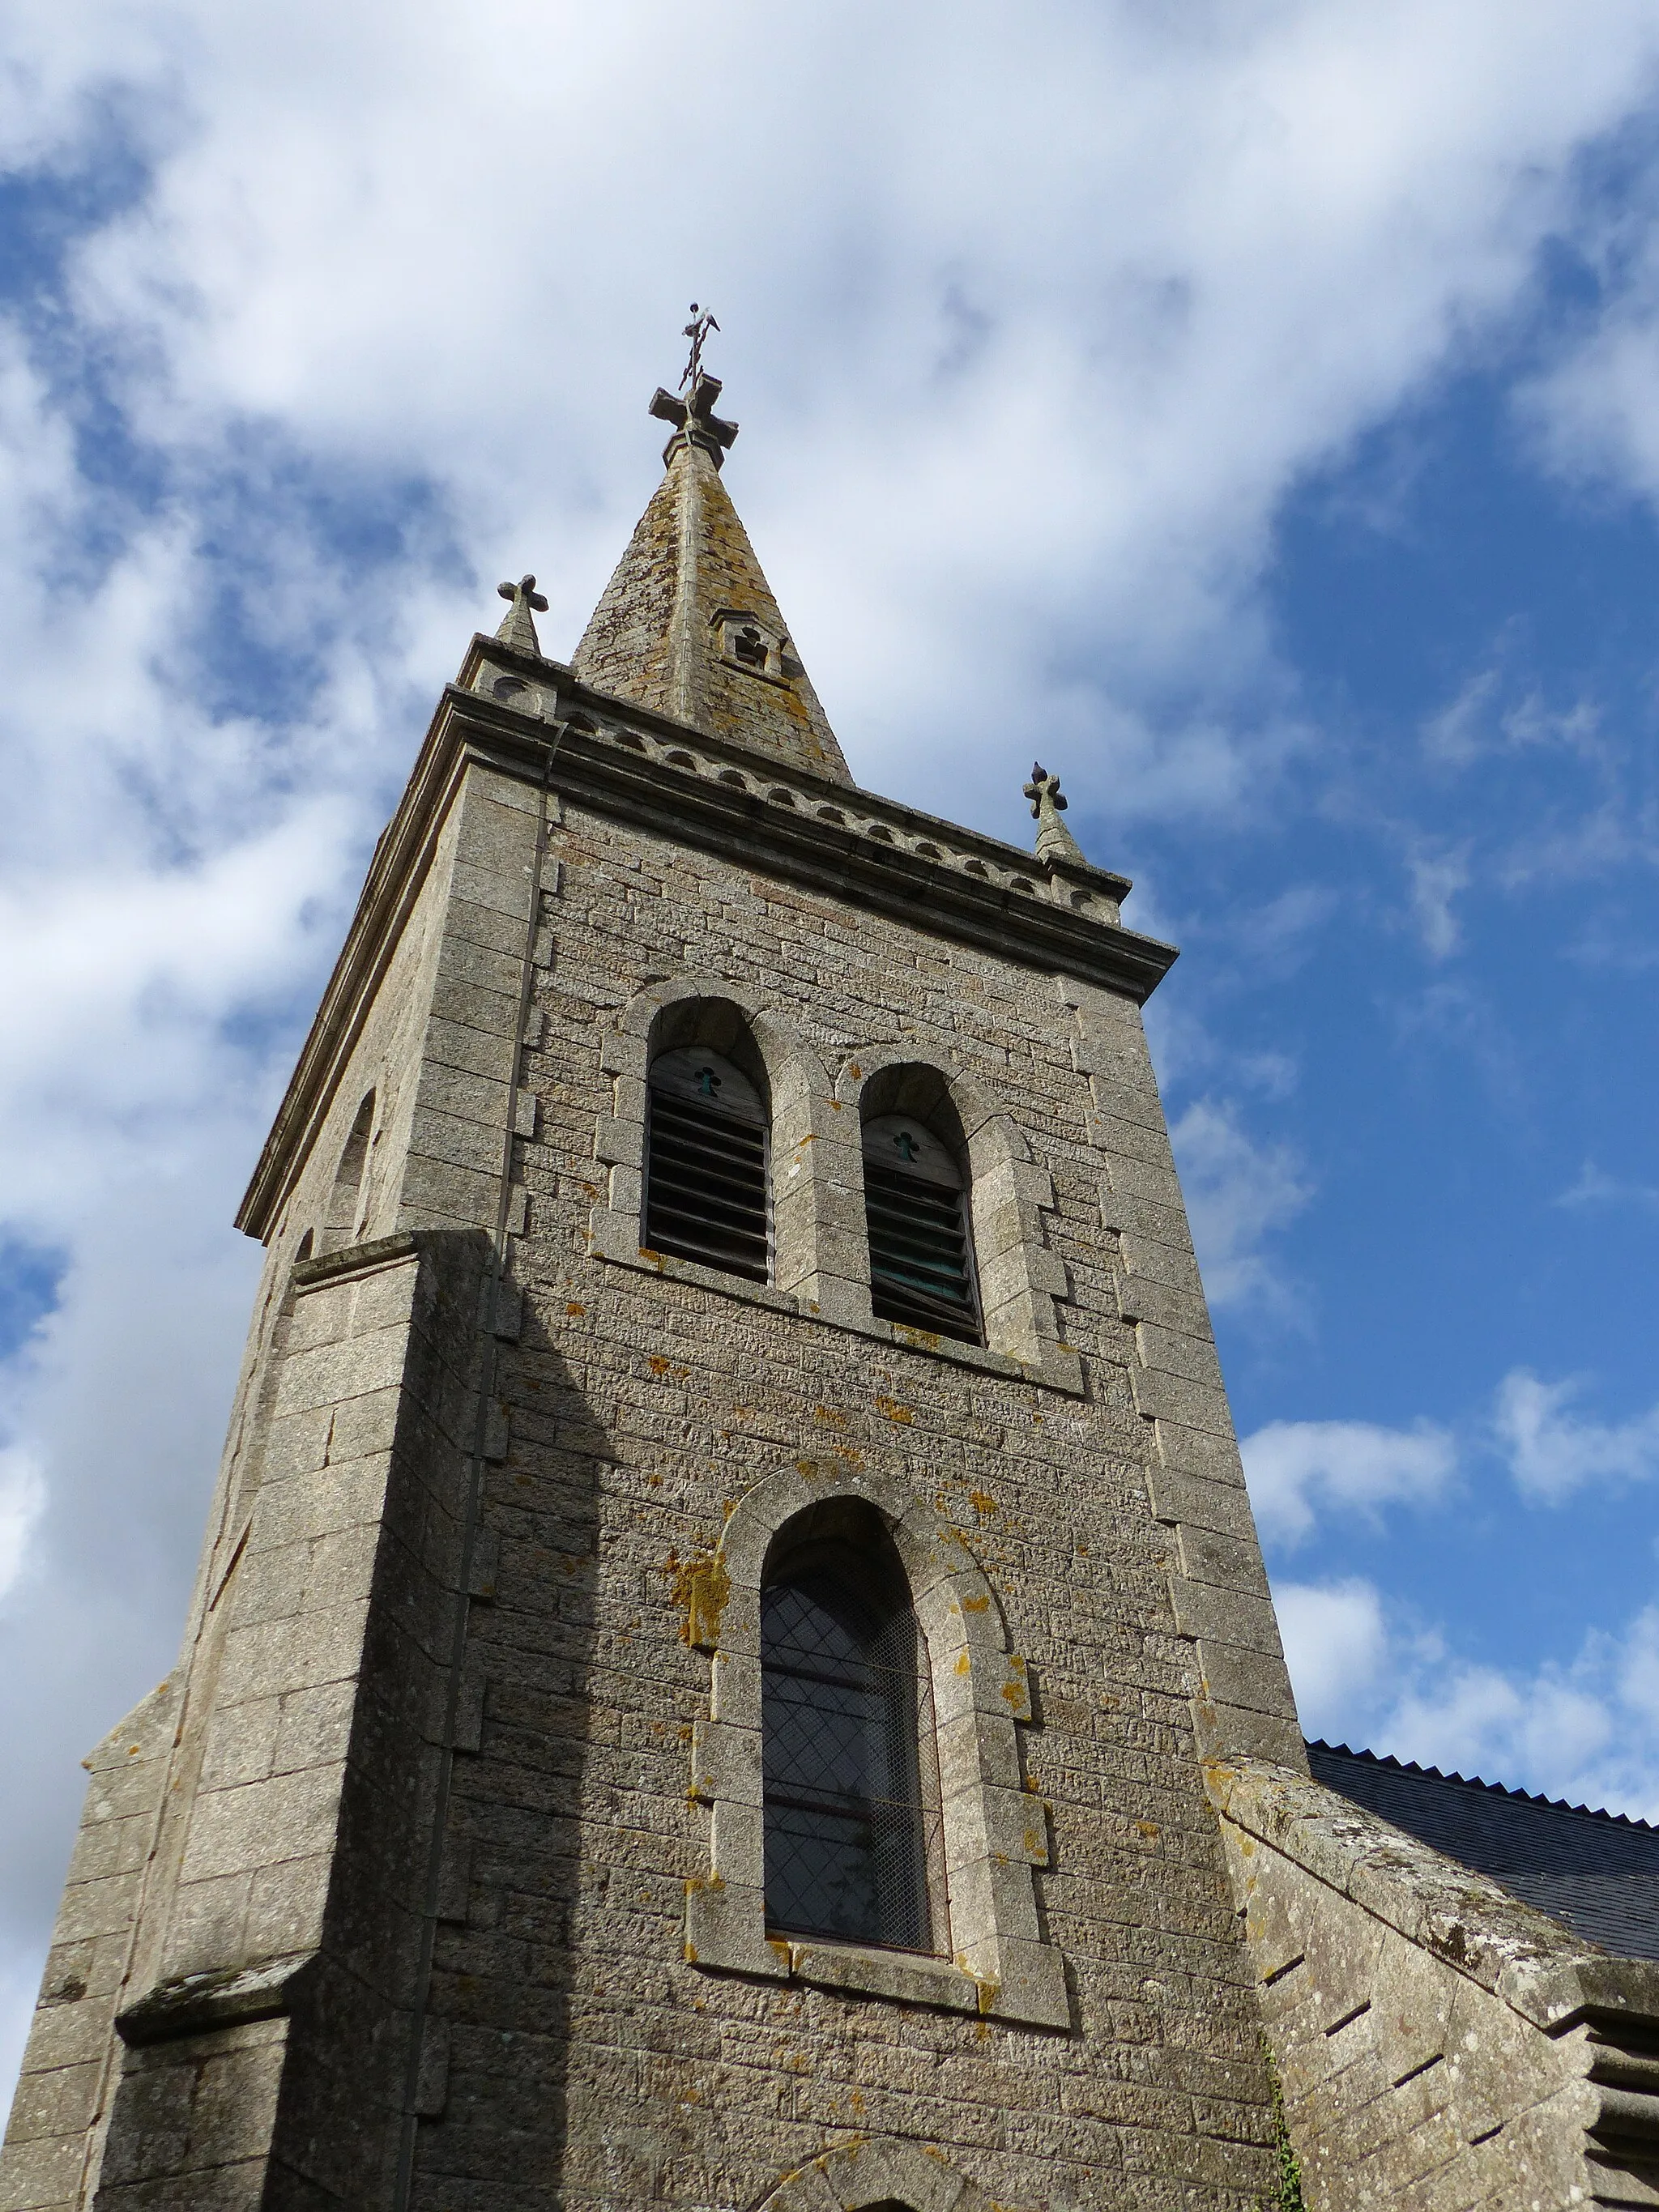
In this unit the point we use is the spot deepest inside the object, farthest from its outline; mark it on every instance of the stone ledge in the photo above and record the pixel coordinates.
(909, 1976)
(728, 1942)
(198, 2004)
(353, 1259)
(611, 1236)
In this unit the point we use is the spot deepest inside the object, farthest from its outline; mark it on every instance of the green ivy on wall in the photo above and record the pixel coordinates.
(1286, 2196)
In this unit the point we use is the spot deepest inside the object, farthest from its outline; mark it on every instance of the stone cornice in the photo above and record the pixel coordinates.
(638, 767)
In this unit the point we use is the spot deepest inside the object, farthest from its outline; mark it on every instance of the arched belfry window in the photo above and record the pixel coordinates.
(850, 1777)
(921, 1258)
(706, 1163)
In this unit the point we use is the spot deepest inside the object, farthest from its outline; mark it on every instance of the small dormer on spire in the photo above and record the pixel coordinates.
(517, 627)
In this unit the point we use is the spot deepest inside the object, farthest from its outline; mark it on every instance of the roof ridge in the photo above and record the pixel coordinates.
(1475, 1782)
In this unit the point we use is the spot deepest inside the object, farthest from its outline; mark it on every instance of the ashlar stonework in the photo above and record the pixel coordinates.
(434, 1874)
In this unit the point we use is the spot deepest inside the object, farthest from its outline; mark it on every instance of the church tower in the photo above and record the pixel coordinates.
(730, 1557)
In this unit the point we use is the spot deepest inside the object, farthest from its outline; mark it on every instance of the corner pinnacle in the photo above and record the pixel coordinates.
(517, 627)
(1054, 842)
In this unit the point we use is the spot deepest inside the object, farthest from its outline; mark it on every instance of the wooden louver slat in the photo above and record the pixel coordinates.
(920, 1273)
(705, 1195)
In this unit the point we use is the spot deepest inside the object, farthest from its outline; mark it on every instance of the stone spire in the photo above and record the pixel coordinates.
(688, 624)
(518, 624)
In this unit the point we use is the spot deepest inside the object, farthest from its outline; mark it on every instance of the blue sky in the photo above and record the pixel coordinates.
(1444, 946)
(1253, 415)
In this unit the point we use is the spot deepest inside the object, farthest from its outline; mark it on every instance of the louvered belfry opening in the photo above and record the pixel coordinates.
(921, 1258)
(706, 1164)
(852, 1832)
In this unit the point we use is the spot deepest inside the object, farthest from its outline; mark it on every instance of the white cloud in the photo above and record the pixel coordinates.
(1460, 731)
(1520, 1729)
(1366, 1674)
(1593, 410)
(1531, 721)
(1593, 1186)
(1437, 878)
(1282, 934)
(1297, 1470)
(1214, 259)
(1238, 1191)
(22, 1498)
(1300, 1472)
(1552, 1451)
(1335, 1641)
(1480, 720)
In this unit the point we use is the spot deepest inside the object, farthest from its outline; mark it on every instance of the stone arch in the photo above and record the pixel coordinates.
(1018, 1276)
(995, 1831)
(751, 1033)
(792, 1067)
(339, 1223)
(873, 2172)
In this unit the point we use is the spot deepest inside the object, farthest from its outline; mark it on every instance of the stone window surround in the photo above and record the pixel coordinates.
(995, 1830)
(780, 665)
(821, 1249)
(877, 2170)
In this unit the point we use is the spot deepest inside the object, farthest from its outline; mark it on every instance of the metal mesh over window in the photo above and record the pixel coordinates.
(921, 1269)
(850, 1790)
(705, 1175)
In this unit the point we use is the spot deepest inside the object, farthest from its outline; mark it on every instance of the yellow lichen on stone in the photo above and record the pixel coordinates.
(700, 1588)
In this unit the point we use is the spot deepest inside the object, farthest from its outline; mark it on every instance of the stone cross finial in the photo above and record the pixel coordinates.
(1054, 842)
(518, 628)
(694, 418)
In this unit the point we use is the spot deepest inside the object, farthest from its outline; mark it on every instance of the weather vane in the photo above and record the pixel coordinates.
(702, 321)
(691, 410)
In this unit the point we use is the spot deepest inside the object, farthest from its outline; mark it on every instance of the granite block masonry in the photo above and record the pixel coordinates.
(435, 1873)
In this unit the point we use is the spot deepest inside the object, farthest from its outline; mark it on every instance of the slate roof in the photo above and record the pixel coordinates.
(1597, 1873)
